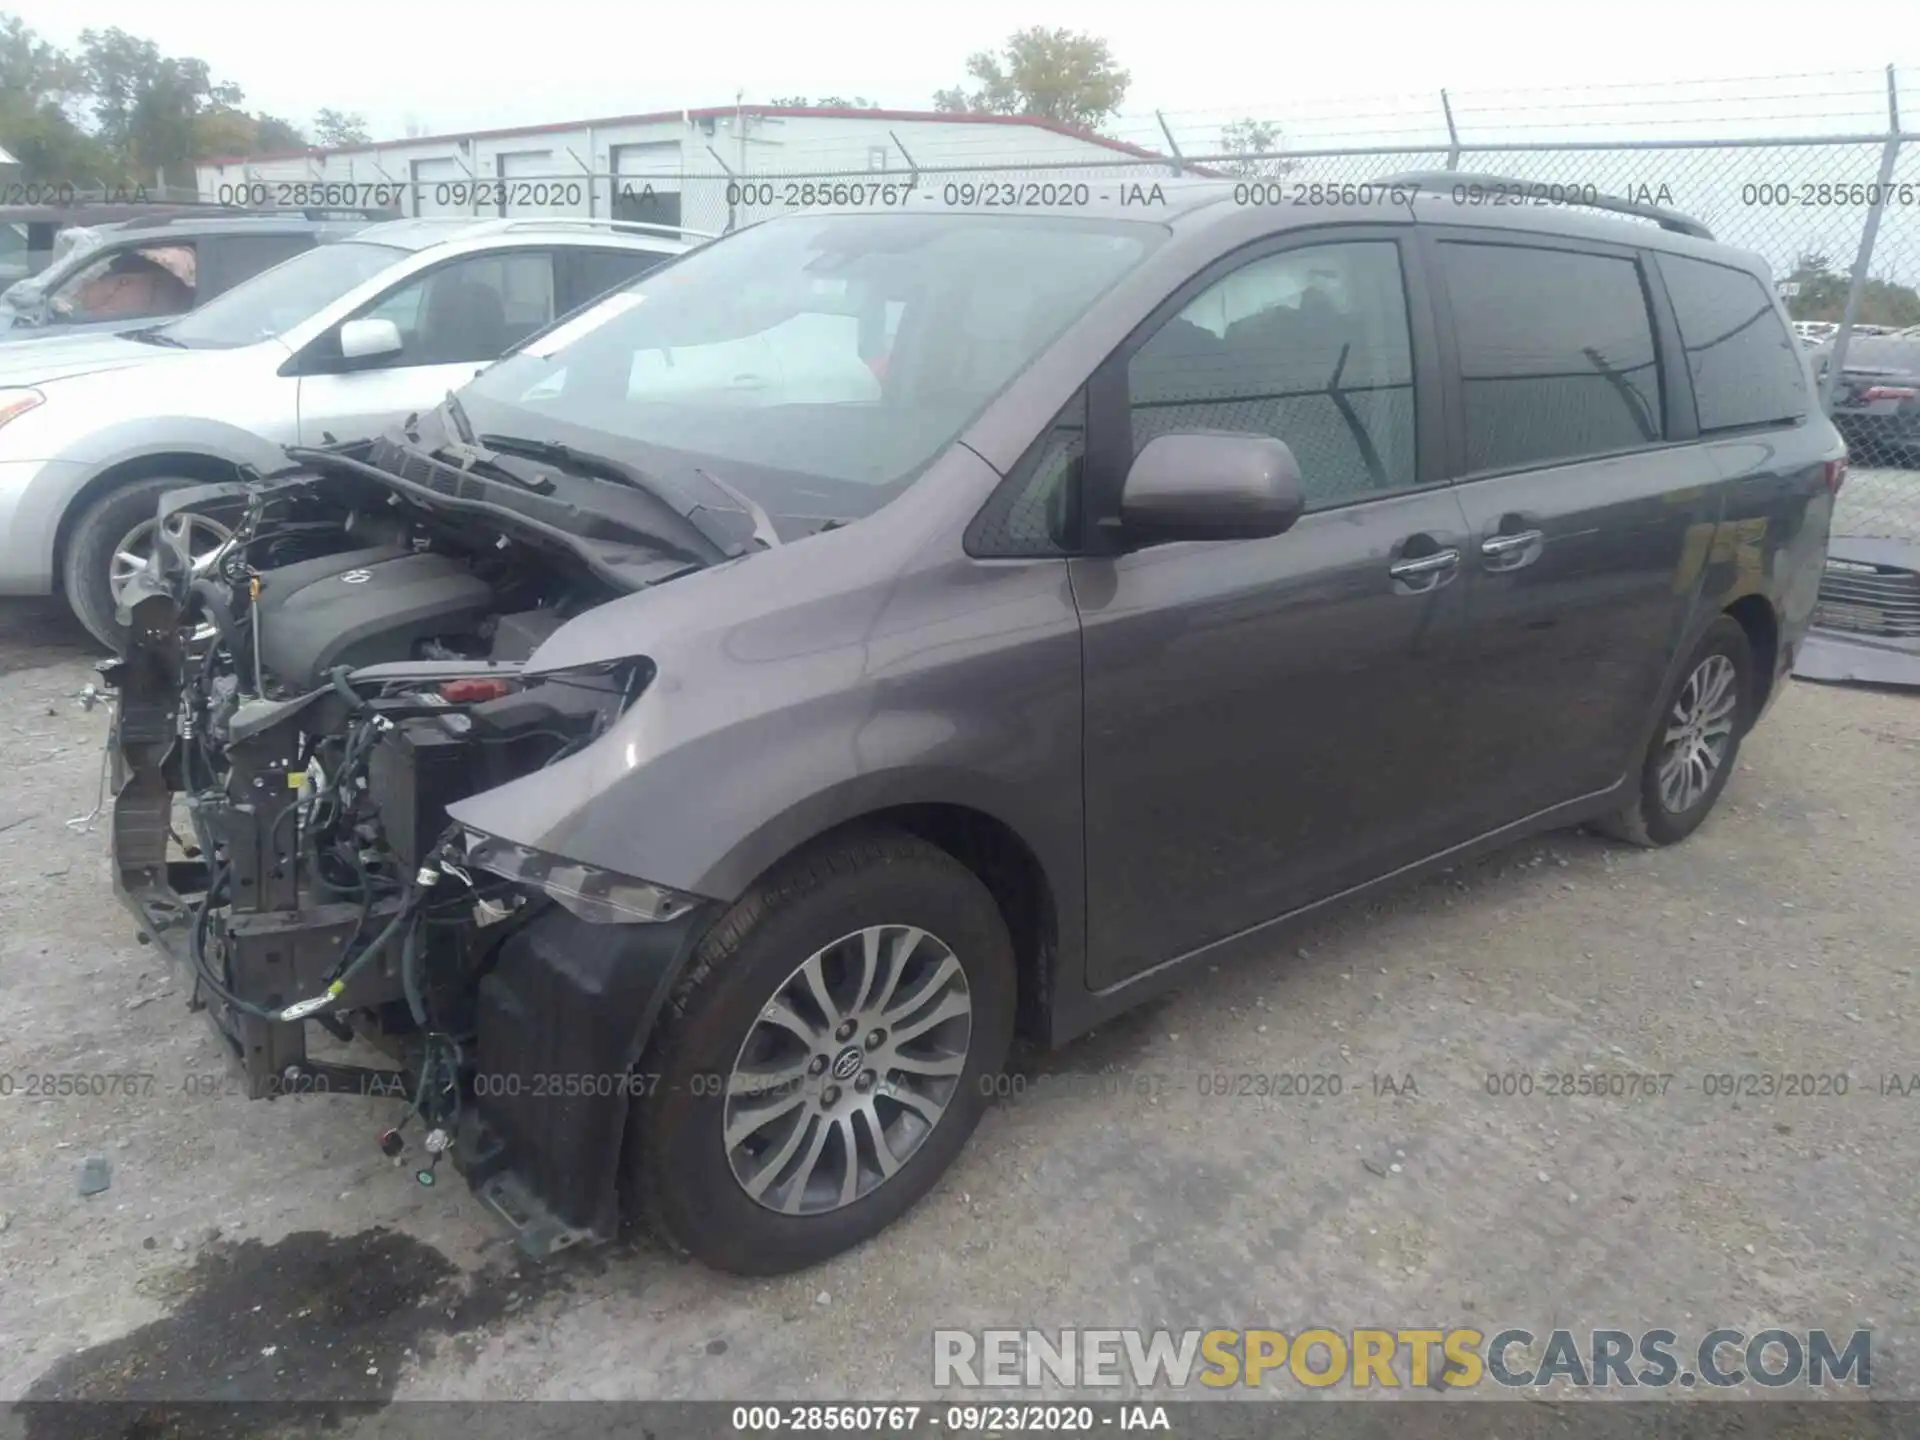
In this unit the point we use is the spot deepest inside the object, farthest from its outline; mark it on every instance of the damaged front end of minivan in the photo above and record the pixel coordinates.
(296, 714)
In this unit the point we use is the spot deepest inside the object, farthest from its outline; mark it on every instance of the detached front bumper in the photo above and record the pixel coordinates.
(1866, 626)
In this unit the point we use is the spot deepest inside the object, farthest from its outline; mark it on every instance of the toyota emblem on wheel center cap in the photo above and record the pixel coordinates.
(847, 1064)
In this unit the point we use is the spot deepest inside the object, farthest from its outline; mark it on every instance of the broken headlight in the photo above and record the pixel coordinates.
(598, 896)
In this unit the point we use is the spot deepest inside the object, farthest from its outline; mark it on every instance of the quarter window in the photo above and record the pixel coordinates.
(1035, 512)
(1309, 346)
(1746, 368)
(1557, 358)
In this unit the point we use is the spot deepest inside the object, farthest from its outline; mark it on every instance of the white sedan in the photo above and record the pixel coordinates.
(336, 344)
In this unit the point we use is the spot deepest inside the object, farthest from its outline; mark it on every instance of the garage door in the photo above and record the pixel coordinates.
(646, 183)
(440, 188)
(539, 182)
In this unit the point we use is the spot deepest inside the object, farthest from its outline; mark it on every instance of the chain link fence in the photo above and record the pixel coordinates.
(1836, 216)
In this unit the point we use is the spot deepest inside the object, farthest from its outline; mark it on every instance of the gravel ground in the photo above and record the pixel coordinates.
(268, 1250)
(1881, 501)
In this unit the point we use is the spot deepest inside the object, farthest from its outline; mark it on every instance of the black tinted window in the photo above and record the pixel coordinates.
(1745, 366)
(597, 271)
(1556, 354)
(1309, 346)
(233, 258)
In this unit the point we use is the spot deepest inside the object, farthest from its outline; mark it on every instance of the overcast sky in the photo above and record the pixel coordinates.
(483, 63)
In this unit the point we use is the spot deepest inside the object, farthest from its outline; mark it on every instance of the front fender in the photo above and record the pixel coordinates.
(864, 668)
(55, 486)
(703, 794)
(145, 437)
(706, 781)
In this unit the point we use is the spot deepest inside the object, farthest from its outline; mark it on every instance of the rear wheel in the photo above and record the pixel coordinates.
(113, 540)
(825, 1058)
(1694, 747)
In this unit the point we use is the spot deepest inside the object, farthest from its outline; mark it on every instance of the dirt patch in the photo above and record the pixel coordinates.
(36, 633)
(311, 1328)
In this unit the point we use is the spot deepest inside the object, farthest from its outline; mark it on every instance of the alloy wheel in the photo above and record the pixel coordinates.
(1699, 731)
(131, 556)
(847, 1069)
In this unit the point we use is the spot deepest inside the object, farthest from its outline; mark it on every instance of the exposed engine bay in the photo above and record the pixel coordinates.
(295, 714)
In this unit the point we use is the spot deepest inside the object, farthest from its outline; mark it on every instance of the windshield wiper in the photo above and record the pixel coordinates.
(154, 335)
(763, 530)
(471, 460)
(468, 453)
(579, 461)
(457, 413)
(676, 527)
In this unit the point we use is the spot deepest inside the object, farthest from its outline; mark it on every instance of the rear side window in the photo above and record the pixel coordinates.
(1557, 357)
(1745, 366)
(594, 272)
(233, 258)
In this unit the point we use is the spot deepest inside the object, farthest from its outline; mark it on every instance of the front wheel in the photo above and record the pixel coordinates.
(825, 1057)
(1696, 742)
(113, 540)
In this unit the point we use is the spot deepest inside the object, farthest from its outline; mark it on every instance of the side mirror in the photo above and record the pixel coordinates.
(369, 339)
(1211, 486)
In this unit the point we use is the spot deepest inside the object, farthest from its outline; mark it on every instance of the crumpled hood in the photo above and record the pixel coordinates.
(34, 361)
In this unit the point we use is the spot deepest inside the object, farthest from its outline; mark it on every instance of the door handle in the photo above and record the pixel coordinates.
(1512, 551)
(1434, 564)
(1495, 545)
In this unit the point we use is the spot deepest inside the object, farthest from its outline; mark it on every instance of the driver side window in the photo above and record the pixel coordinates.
(148, 282)
(1310, 346)
(470, 310)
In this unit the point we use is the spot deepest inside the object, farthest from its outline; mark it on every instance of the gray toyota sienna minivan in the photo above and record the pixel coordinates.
(677, 767)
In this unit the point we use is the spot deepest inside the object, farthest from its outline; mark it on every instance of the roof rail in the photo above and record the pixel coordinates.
(267, 212)
(588, 223)
(1666, 219)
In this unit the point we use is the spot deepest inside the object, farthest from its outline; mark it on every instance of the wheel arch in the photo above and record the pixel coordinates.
(198, 466)
(1002, 860)
(1755, 614)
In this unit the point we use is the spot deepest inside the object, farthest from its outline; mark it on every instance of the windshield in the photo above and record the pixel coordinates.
(276, 300)
(847, 348)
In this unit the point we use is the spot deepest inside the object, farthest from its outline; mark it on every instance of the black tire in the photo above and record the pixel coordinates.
(86, 564)
(1648, 820)
(679, 1181)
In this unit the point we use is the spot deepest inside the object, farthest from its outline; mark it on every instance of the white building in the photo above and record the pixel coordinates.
(699, 168)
